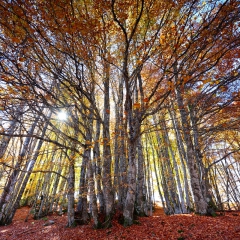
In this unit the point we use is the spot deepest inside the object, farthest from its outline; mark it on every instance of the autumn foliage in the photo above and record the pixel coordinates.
(150, 90)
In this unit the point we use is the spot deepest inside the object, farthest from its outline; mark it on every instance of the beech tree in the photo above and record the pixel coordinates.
(144, 85)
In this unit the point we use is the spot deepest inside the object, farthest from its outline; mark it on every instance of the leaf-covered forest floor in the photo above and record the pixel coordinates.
(159, 226)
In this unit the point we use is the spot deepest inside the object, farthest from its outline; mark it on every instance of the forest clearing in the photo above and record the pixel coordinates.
(159, 226)
(108, 106)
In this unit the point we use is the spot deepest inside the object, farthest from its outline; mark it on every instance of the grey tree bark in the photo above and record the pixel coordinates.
(24, 177)
(175, 167)
(12, 181)
(108, 192)
(140, 195)
(98, 169)
(183, 158)
(199, 199)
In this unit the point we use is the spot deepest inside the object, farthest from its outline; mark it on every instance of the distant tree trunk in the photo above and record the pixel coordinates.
(6, 139)
(53, 203)
(169, 209)
(157, 177)
(70, 194)
(204, 180)
(82, 201)
(182, 156)
(43, 207)
(175, 167)
(140, 196)
(213, 178)
(231, 188)
(98, 169)
(168, 180)
(149, 205)
(123, 183)
(199, 199)
(116, 153)
(62, 191)
(92, 195)
(24, 177)
(12, 181)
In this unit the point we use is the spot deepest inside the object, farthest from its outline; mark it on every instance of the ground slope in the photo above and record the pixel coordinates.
(159, 226)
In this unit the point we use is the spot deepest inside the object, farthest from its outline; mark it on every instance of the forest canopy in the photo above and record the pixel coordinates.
(105, 105)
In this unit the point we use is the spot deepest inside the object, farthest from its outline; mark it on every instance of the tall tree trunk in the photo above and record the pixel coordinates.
(175, 166)
(82, 206)
(134, 125)
(169, 183)
(140, 196)
(203, 172)
(90, 175)
(43, 208)
(107, 158)
(148, 210)
(182, 156)
(121, 129)
(199, 199)
(6, 139)
(54, 200)
(134, 133)
(70, 195)
(98, 169)
(23, 179)
(92, 195)
(131, 193)
(213, 178)
(116, 153)
(71, 175)
(82, 201)
(12, 181)
(157, 178)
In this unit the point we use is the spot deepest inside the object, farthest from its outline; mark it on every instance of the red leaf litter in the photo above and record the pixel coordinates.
(159, 226)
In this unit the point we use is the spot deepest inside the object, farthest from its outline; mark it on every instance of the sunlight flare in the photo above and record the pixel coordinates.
(62, 116)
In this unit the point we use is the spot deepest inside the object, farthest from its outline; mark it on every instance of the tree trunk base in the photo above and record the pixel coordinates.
(4, 222)
(71, 224)
(127, 222)
(97, 226)
(108, 222)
